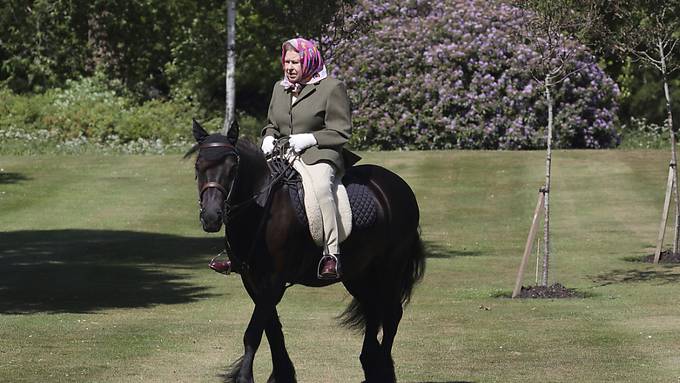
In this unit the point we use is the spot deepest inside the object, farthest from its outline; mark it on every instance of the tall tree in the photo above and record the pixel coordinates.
(40, 44)
(158, 48)
(230, 86)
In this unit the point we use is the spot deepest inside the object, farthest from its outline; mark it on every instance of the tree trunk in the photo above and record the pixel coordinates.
(229, 115)
(674, 152)
(97, 41)
(548, 163)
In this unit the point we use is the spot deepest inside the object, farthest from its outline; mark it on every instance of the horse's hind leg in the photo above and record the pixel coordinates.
(284, 372)
(364, 314)
(370, 351)
(395, 292)
(391, 317)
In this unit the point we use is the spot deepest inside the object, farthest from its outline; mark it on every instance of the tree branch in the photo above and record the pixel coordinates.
(646, 57)
(670, 51)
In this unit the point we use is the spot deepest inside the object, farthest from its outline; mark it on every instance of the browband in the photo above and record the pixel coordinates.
(216, 145)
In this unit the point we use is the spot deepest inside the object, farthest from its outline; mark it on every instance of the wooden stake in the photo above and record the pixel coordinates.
(529, 244)
(538, 256)
(664, 215)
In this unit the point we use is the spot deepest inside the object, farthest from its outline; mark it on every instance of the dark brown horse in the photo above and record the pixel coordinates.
(272, 250)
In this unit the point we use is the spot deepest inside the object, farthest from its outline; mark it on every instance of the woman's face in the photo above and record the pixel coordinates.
(291, 66)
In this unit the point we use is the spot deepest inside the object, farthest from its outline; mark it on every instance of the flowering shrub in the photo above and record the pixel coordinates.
(455, 74)
(642, 134)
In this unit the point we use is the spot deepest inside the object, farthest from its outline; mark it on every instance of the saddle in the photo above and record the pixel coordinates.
(357, 204)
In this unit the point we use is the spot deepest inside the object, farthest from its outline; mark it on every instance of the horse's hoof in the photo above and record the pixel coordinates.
(273, 380)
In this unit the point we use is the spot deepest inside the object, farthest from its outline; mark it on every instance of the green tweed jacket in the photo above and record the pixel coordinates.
(321, 109)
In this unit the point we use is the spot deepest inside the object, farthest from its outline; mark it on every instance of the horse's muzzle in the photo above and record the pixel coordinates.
(211, 221)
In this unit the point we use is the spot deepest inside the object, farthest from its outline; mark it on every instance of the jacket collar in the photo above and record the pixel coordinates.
(306, 91)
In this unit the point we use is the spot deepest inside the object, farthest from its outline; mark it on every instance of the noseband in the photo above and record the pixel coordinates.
(230, 151)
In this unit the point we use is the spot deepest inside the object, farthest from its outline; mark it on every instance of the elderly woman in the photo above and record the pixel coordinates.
(313, 111)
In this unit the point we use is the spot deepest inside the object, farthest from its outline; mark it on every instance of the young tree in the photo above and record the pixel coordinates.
(649, 30)
(549, 27)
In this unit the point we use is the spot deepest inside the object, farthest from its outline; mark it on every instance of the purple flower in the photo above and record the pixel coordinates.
(456, 75)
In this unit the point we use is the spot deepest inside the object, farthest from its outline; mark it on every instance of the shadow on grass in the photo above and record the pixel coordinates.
(448, 381)
(635, 259)
(435, 250)
(82, 271)
(668, 275)
(12, 178)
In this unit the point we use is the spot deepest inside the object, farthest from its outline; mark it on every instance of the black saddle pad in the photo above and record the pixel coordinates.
(362, 201)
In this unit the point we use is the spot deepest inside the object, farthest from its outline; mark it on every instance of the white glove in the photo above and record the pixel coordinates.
(302, 141)
(268, 145)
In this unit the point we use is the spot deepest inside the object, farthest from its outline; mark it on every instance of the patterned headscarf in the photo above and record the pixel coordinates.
(313, 68)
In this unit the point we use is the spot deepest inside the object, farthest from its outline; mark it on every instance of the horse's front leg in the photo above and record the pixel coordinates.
(265, 309)
(284, 372)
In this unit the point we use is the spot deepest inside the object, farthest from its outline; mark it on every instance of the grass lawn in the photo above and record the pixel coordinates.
(103, 275)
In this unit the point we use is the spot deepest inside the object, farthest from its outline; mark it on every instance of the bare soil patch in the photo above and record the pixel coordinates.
(553, 291)
(667, 256)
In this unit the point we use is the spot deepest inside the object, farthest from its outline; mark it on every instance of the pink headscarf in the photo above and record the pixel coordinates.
(313, 68)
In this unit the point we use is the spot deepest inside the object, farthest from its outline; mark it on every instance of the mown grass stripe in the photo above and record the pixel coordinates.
(107, 250)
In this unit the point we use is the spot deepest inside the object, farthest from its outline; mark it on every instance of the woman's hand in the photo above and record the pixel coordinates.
(268, 145)
(302, 141)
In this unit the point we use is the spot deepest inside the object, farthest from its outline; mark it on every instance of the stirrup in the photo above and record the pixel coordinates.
(213, 261)
(337, 274)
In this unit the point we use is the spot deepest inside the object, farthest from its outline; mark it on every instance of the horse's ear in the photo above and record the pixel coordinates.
(199, 133)
(232, 134)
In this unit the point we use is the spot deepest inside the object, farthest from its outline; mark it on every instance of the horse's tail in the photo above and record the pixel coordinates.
(415, 268)
(355, 315)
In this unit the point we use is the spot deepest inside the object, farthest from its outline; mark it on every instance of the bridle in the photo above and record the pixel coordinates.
(231, 151)
(230, 209)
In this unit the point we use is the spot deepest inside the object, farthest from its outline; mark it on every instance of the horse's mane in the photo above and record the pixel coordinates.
(248, 148)
(245, 146)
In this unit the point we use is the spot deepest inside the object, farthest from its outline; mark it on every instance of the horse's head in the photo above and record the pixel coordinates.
(216, 172)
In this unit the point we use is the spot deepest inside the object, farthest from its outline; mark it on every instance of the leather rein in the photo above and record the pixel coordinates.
(231, 209)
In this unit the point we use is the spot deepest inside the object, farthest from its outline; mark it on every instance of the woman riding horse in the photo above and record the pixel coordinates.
(312, 110)
(272, 250)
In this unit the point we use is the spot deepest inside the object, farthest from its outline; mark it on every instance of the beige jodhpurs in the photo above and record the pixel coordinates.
(322, 176)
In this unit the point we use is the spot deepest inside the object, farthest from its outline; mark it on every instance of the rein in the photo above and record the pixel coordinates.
(232, 210)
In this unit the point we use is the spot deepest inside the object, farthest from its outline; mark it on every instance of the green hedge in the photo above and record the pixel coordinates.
(92, 114)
